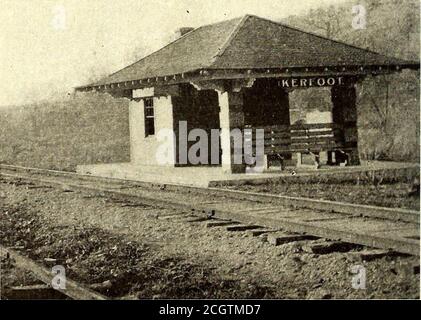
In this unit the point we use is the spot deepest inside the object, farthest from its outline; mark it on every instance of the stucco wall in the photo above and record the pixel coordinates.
(143, 150)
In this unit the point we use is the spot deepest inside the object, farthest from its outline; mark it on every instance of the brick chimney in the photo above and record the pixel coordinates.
(182, 31)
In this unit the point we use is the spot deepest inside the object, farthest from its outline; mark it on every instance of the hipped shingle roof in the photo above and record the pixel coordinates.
(249, 42)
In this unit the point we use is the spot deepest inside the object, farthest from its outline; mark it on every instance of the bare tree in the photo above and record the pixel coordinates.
(326, 22)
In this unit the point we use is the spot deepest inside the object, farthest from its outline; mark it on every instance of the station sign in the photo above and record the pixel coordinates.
(307, 82)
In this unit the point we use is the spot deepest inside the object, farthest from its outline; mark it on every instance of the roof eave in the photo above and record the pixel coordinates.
(208, 74)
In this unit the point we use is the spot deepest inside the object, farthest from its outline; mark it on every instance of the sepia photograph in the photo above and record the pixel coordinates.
(209, 158)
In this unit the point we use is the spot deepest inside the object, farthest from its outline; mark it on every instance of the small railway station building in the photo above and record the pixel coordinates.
(245, 74)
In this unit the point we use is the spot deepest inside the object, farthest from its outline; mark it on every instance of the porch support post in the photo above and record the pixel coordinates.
(231, 116)
(344, 112)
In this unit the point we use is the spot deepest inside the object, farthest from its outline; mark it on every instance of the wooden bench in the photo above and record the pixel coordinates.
(282, 141)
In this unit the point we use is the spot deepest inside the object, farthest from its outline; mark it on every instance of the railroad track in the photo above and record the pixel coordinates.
(383, 228)
(72, 289)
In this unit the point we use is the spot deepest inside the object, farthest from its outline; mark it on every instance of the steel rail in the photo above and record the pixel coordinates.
(72, 289)
(406, 245)
(394, 214)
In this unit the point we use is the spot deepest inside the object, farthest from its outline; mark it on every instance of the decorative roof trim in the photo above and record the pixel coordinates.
(210, 74)
(231, 37)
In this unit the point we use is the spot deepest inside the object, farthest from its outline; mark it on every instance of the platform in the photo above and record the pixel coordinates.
(215, 176)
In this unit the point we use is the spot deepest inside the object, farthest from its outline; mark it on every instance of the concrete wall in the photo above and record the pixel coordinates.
(143, 150)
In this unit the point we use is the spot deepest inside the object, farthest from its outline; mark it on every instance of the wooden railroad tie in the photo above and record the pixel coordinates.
(220, 223)
(372, 254)
(326, 247)
(242, 227)
(279, 238)
(259, 232)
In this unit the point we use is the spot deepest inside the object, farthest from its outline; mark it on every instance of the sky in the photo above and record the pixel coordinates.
(49, 46)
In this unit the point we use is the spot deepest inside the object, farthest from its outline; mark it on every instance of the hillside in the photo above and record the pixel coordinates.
(88, 128)
(392, 26)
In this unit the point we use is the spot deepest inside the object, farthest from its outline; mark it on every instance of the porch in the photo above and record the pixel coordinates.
(215, 176)
(255, 118)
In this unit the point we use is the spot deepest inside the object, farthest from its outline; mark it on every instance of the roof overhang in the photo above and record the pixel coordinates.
(232, 74)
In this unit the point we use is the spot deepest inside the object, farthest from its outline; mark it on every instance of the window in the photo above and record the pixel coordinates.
(149, 117)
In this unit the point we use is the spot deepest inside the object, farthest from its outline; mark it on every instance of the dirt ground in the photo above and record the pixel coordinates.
(101, 239)
(12, 276)
(384, 195)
